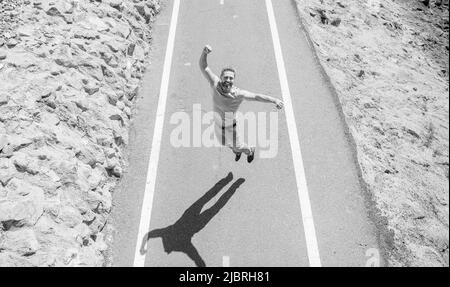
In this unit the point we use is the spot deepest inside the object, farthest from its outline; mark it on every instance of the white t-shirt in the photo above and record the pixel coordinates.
(226, 104)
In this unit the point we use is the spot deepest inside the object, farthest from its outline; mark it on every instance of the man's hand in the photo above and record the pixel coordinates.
(207, 49)
(206, 71)
(279, 104)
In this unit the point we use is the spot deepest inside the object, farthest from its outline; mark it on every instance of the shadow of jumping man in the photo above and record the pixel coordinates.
(178, 236)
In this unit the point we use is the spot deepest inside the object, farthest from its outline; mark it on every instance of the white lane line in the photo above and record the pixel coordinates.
(147, 203)
(222, 2)
(302, 189)
(226, 261)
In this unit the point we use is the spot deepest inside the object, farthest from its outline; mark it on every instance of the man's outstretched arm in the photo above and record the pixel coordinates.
(206, 71)
(249, 96)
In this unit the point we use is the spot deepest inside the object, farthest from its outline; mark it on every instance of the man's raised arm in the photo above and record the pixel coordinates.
(206, 71)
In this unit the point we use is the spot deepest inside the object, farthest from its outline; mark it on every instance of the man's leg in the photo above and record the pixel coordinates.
(229, 138)
(192, 252)
(239, 147)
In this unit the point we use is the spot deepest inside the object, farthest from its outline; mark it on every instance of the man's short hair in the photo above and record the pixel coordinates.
(228, 69)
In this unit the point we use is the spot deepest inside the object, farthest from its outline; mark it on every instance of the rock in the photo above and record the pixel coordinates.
(7, 151)
(98, 24)
(130, 49)
(117, 4)
(91, 155)
(141, 7)
(11, 43)
(69, 19)
(336, 22)
(113, 62)
(109, 74)
(46, 225)
(139, 52)
(26, 164)
(3, 55)
(22, 241)
(24, 204)
(83, 234)
(70, 216)
(37, 4)
(43, 259)
(19, 142)
(11, 259)
(323, 17)
(5, 176)
(92, 68)
(111, 97)
(25, 31)
(122, 30)
(82, 104)
(127, 111)
(53, 11)
(132, 93)
(120, 105)
(116, 117)
(426, 2)
(3, 141)
(126, 102)
(86, 34)
(97, 224)
(117, 171)
(91, 88)
(7, 35)
(19, 214)
(71, 257)
(106, 56)
(66, 170)
(112, 161)
(96, 201)
(114, 46)
(154, 5)
(55, 70)
(3, 99)
(22, 190)
(49, 119)
(22, 60)
(96, 177)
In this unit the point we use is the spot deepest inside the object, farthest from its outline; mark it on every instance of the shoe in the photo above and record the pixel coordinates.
(251, 156)
(238, 156)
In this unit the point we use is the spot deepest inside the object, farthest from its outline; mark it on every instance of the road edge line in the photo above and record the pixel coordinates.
(147, 202)
(302, 188)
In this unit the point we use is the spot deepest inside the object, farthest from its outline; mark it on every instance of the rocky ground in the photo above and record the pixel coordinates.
(388, 61)
(69, 72)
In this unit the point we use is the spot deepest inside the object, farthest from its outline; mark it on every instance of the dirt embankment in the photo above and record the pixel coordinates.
(69, 71)
(388, 61)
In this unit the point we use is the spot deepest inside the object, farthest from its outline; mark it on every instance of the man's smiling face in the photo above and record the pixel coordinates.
(227, 81)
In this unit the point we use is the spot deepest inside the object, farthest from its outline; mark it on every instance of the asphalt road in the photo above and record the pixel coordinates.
(255, 217)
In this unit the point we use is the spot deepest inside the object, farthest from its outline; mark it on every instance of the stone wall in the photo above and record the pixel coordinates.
(69, 72)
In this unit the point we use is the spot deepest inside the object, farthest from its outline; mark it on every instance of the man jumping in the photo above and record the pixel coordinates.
(226, 100)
